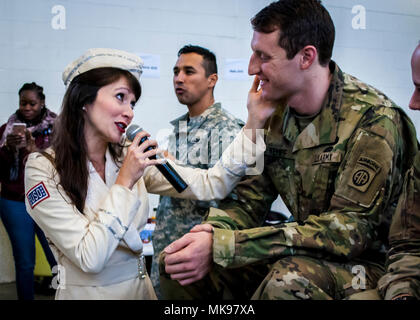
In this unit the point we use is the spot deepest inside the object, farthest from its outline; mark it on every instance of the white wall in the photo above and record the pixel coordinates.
(380, 54)
(32, 50)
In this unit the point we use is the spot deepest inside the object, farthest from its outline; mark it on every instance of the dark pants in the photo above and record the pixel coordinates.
(219, 284)
(21, 229)
(289, 278)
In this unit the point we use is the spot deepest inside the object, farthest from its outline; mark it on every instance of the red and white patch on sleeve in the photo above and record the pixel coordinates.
(37, 194)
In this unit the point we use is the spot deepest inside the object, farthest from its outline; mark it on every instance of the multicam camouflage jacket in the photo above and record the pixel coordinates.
(196, 142)
(340, 177)
(403, 265)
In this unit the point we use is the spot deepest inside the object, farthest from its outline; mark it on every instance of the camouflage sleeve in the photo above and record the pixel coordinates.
(221, 137)
(403, 265)
(346, 229)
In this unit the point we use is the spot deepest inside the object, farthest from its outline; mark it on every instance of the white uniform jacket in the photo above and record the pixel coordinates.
(98, 251)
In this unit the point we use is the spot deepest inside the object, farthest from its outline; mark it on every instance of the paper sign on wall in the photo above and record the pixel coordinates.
(236, 69)
(151, 67)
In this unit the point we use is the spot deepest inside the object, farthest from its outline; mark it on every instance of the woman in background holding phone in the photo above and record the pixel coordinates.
(27, 130)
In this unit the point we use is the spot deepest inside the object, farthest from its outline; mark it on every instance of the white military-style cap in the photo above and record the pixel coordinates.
(100, 58)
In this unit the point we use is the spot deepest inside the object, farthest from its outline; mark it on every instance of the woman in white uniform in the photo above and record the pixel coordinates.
(89, 191)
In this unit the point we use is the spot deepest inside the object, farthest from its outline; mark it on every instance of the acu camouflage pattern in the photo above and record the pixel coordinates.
(403, 264)
(175, 217)
(340, 178)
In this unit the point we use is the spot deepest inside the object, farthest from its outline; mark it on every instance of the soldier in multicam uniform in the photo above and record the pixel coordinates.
(336, 153)
(198, 140)
(402, 280)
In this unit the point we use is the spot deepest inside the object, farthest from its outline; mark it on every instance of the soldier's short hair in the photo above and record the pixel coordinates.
(301, 23)
(209, 59)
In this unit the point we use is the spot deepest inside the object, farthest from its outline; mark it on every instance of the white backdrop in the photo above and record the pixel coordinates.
(39, 37)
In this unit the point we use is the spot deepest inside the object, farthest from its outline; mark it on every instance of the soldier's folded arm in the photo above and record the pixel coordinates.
(403, 273)
(402, 277)
(364, 184)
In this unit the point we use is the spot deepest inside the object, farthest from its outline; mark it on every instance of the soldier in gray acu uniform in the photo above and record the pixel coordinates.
(197, 141)
(336, 153)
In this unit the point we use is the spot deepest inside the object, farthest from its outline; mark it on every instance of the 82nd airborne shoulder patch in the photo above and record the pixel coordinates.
(37, 194)
(364, 173)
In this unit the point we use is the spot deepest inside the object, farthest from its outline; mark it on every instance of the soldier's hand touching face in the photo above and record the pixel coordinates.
(259, 109)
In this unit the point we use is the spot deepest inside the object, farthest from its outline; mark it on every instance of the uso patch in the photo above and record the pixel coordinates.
(37, 194)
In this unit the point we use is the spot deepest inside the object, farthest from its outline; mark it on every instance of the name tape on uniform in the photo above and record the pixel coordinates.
(37, 194)
(327, 157)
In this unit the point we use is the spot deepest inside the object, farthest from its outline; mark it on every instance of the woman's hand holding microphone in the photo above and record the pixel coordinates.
(138, 159)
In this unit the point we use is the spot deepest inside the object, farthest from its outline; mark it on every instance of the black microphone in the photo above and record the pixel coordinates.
(165, 168)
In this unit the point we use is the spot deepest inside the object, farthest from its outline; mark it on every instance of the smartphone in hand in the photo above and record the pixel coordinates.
(20, 129)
